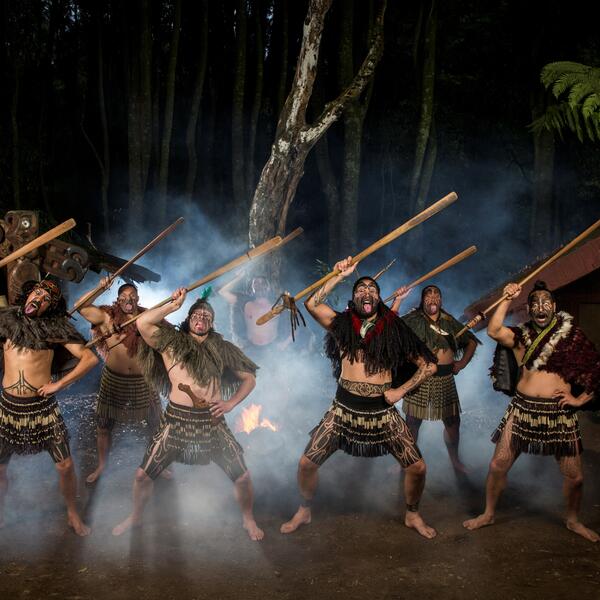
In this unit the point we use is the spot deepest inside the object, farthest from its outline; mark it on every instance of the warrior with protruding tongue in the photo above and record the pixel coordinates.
(368, 345)
(437, 398)
(124, 396)
(365, 297)
(35, 336)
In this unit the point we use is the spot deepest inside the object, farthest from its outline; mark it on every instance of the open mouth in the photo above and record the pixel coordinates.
(367, 306)
(31, 308)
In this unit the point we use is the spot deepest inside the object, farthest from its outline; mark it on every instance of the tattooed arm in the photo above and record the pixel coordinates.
(424, 370)
(148, 323)
(315, 303)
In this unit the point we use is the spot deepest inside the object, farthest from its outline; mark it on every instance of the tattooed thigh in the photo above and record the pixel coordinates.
(570, 466)
(504, 454)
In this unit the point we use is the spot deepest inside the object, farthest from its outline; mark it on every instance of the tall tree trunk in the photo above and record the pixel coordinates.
(14, 123)
(165, 150)
(139, 112)
(332, 196)
(354, 117)
(237, 108)
(257, 100)
(105, 166)
(192, 127)
(294, 137)
(425, 151)
(284, 50)
(542, 209)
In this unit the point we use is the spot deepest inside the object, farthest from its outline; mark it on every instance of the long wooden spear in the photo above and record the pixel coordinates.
(100, 288)
(253, 253)
(446, 265)
(386, 239)
(39, 241)
(481, 316)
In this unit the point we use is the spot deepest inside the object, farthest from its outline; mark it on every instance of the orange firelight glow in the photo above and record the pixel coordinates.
(250, 420)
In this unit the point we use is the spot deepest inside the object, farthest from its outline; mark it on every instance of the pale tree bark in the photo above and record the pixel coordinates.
(237, 110)
(192, 126)
(165, 150)
(426, 145)
(294, 137)
(139, 113)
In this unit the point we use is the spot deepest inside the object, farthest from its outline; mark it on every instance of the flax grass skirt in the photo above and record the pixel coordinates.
(126, 398)
(30, 425)
(539, 426)
(435, 399)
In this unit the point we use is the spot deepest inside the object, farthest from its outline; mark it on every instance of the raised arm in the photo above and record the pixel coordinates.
(87, 361)
(91, 313)
(315, 303)
(226, 293)
(425, 369)
(496, 328)
(148, 322)
(399, 295)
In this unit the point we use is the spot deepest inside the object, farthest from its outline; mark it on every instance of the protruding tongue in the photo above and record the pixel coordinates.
(30, 309)
(367, 308)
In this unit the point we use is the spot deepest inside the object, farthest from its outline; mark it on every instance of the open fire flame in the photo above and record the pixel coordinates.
(250, 420)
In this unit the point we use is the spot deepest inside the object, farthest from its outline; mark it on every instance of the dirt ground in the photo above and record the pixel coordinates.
(192, 545)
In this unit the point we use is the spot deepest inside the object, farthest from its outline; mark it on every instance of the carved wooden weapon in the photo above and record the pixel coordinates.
(446, 265)
(39, 241)
(390, 237)
(99, 289)
(481, 316)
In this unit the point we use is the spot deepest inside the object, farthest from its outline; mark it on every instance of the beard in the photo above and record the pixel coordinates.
(32, 309)
(127, 307)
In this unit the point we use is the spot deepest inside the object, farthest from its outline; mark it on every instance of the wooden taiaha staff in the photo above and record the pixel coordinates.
(481, 316)
(39, 241)
(390, 237)
(446, 265)
(100, 288)
(253, 253)
(288, 238)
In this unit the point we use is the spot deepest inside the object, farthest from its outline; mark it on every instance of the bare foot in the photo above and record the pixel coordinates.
(583, 531)
(413, 520)
(254, 531)
(459, 467)
(94, 476)
(479, 522)
(302, 517)
(166, 474)
(77, 525)
(125, 525)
